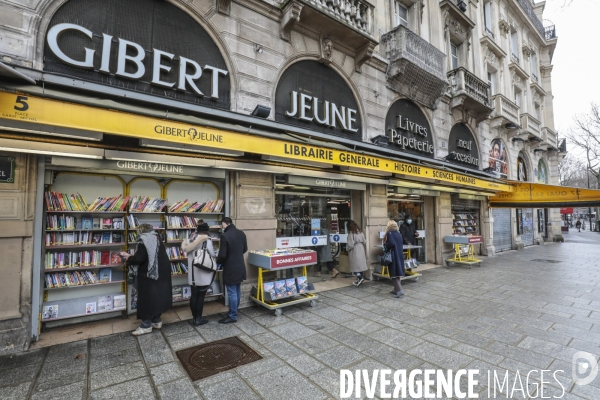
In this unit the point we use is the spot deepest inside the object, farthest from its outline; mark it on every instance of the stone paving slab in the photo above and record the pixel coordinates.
(510, 315)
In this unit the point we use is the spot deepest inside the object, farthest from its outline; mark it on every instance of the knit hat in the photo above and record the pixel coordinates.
(202, 227)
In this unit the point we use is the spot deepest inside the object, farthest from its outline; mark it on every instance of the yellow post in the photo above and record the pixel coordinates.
(259, 289)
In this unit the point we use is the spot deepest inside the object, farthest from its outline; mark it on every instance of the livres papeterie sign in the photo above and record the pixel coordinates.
(148, 46)
(408, 130)
(7, 169)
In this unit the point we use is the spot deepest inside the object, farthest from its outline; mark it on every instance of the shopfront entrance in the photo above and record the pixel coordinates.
(502, 229)
(527, 226)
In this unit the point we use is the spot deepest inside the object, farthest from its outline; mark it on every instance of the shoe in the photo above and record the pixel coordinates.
(157, 325)
(141, 331)
(359, 281)
(317, 274)
(355, 283)
(400, 294)
(227, 321)
(394, 293)
(200, 321)
(335, 274)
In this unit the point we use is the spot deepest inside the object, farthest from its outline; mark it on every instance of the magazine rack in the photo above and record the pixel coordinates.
(464, 250)
(383, 271)
(266, 262)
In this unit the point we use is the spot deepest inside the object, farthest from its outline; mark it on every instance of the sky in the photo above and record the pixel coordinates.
(576, 61)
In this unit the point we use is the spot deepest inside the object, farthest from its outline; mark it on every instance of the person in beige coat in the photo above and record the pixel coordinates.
(201, 279)
(357, 252)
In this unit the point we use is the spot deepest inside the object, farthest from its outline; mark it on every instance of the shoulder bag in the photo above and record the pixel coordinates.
(203, 260)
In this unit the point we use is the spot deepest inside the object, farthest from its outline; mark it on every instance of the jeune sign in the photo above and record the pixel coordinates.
(148, 46)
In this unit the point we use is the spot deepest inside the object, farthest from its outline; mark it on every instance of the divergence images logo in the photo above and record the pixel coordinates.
(585, 368)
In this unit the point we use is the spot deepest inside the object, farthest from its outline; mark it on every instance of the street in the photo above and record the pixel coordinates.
(521, 311)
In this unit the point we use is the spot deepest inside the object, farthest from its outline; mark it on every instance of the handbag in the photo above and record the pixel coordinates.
(203, 260)
(386, 259)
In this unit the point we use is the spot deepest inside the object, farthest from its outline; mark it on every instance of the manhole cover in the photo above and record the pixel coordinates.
(213, 358)
(546, 261)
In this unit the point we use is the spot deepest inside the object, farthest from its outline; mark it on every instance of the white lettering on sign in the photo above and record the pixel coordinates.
(330, 183)
(307, 108)
(464, 144)
(132, 54)
(293, 260)
(406, 125)
(150, 167)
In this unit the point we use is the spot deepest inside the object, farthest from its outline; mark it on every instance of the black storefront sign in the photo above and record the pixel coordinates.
(313, 96)
(148, 46)
(408, 130)
(7, 169)
(462, 147)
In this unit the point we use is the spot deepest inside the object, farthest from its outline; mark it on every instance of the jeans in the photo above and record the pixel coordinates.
(359, 275)
(234, 293)
(147, 323)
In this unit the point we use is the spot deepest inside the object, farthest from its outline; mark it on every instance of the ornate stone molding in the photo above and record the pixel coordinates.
(326, 50)
(224, 6)
(517, 81)
(527, 49)
(363, 55)
(291, 16)
(491, 58)
(503, 25)
(537, 99)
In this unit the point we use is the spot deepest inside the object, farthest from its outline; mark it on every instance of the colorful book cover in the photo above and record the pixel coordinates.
(107, 223)
(90, 308)
(269, 289)
(105, 303)
(117, 223)
(280, 290)
(106, 236)
(87, 223)
(50, 312)
(97, 238)
(105, 258)
(115, 258)
(186, 292)
(177, 293)
(290, 287)
(97, 223)
(301, 284)
(119, 301)
(117, 237)
(105, 275)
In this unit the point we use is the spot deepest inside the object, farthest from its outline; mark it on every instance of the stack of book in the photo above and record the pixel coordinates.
(175, 222)
(63, 202)
(185, 207)
(176, 253)
(178, 268)
(82, 259)
(212, 206)
(178, 235)
(73, 278)
(60, 222)
(146, 204)
(114, 204)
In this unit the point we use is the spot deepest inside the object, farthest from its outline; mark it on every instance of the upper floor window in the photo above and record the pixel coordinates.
(514, 45)
(492, 82)
(487, 17)
(517, 97)
(453, 56)
(534, 67)
(400, 14)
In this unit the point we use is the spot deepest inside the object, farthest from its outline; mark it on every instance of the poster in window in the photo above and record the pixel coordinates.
(522, 174)
(542, 175)
(519, 221)
(497, 160)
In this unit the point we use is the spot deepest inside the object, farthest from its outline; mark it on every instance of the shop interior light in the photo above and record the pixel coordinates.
(50, 149)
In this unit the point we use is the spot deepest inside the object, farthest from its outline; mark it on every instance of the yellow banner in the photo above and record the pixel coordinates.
(57, 113)
(526, 194)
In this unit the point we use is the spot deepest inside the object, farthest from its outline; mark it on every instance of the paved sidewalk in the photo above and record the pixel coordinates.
(526, 310)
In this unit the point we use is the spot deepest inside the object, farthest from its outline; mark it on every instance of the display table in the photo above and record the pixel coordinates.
(282, 259)
(464, 250)
(384, 272)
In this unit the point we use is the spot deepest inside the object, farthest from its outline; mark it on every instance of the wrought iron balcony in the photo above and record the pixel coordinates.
(348, 21)
(550, 32)
(469, 94)
(528, 9)
(416, 68)
(505, 111)
(531, 126)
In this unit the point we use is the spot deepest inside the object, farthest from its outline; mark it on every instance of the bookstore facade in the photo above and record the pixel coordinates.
(94, 159)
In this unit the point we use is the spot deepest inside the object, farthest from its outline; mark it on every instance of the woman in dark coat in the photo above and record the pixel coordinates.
(153, 279)
(393, 242)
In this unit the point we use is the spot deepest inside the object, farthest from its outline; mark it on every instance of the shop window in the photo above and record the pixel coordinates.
(399, 207)
(465, 216)
(453, 56)
(400, 14)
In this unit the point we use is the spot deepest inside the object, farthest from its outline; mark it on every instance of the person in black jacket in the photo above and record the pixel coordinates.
(409, 233)
(153, 279)
(232, 247)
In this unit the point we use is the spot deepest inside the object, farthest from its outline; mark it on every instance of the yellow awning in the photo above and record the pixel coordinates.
(526, 195)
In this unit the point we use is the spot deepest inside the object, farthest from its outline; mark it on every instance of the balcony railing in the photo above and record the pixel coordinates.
(550, 32)
(515, 57)
(506, 109)
(534, 77)
(356, 13)
(416, 68)
(531, 125)
(527, 7)
(462, 80)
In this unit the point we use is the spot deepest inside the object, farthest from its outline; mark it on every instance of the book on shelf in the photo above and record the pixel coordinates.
(64, 202)
(97, 238)
(146, 204)
(69, 279)
(106, 238)
(112, 204)
(181, 222)
(105, 275)
(74, 259)
(90, 308)
(290, 287)
(185, 206)
(175, 252)
(116, 237)
(106, 223)
(105, 303)
(118, 223)
(119, 302)
(177, 295)
(302, 284)
(115, 258)
(50, 312)
(105, 258)
(269, 290)
(133, 221)
(61, 222)
(186, 292)
(280, 290)
(96, 223)
(87, 223)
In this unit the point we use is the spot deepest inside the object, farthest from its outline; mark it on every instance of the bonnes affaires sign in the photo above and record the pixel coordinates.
(69, 115)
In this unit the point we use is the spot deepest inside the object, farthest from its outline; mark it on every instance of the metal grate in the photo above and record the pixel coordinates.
(546, 261)
(213, 358)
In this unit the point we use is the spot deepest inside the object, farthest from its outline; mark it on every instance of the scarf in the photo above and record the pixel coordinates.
(150, 241)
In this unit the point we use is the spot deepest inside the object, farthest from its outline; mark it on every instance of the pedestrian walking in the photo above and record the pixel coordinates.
(153, 279)
(393, 242)
(232, 247)
(324, 256)
(357, 252)
(199, 279)
(578, 225)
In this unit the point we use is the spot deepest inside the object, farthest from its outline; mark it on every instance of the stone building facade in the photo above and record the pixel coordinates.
(483, 65)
